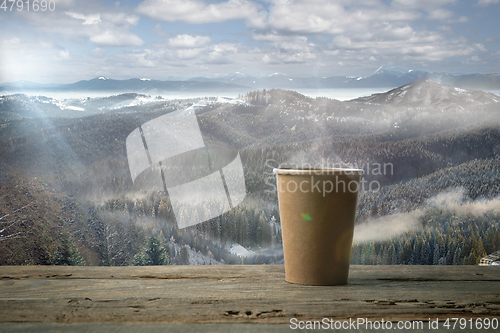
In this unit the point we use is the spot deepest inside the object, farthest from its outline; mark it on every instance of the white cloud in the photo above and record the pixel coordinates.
(193, 57)
(485, 3)
(221, 53)
(197, 12)
(121, 19)
(187, 41)
(422, 3)
(480, 47)
(21, 59)
(64, 54)
(289, 49)
(360, 32)
(98, 52)
(90, 19)
(323, 16)
(185, 54)
(356, 34)
(268, 36)
(266, 59)
(473, 60)
(302, 17)
(13, 42)
(64, 3)
(417, 47)
(111, 29)
(446, 28)
(142, 59)
(113, 38)
(441, 14)
(159, 31)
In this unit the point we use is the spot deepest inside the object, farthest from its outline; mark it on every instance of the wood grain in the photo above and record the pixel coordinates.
(241, 294)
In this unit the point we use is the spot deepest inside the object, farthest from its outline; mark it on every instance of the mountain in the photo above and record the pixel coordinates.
(470, 81)
(427, 94)
(103, 84)
(392, 76)
(67, 180)
(387, 76)
(25, 86)
(275, 80)
(234, 77)
(284, 106)
(19, 106)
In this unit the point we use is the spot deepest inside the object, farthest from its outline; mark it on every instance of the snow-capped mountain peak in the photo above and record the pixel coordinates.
(429, 94)
(389, 69)
(235, 76)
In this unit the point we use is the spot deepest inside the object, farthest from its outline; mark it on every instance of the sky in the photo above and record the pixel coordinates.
(74, 40)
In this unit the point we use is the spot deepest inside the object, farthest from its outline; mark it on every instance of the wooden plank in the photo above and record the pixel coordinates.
(242, 294)
(439, 273)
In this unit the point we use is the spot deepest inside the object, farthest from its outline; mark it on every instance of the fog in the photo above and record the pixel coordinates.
(344, 94)
(86, 159)
(386, 227)
(453, 200)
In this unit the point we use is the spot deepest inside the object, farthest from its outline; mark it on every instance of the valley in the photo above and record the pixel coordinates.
(67, 160)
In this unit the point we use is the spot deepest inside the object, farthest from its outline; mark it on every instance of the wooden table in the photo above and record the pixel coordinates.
(241, 298)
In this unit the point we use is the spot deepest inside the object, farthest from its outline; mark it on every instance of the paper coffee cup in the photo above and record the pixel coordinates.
(317, 210)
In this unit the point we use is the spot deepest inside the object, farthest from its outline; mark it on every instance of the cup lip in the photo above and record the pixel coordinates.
(318, 171)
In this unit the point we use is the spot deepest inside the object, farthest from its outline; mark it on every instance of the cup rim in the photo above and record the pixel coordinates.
(318, 171)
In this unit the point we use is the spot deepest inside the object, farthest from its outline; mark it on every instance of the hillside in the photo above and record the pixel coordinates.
(135, 85)
(20, 106)
(82, 161)
(426, 94)
(44, 226)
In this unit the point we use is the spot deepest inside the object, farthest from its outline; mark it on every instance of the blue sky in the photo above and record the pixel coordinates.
(168, 38)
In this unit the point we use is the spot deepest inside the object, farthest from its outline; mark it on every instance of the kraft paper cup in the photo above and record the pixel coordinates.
(317, 210)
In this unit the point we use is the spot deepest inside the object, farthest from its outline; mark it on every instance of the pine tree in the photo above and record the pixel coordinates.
(154, 255)
(184, 255)
(68, 254)
(263, 231)
(437, 256)
(162, 210)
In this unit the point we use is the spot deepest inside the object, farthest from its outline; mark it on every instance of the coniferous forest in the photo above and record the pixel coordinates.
(431, 194)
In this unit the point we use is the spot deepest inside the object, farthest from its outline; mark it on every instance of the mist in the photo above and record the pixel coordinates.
(440, 158)
(386, 227)
(453, 200)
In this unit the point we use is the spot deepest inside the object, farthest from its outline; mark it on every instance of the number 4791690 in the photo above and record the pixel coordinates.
(28, 5)
(478, 323)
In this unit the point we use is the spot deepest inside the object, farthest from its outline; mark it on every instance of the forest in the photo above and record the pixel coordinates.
(66, 196)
